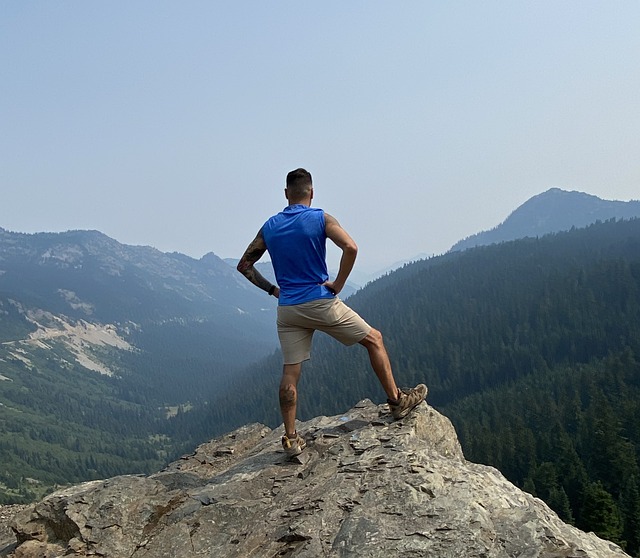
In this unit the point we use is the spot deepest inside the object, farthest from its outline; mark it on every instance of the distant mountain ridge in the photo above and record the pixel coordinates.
(39, 264)
(552, 211)
(139, 291)
(86, 275)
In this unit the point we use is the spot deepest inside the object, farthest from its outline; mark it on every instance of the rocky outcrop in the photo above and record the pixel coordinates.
(364, 487)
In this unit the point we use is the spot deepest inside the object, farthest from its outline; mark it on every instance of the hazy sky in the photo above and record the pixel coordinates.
(173, 124)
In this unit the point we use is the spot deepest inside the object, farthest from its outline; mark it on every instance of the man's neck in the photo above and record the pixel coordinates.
(306, 202)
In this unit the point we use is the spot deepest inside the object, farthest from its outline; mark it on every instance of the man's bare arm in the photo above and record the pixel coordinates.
(252, 254)
(349, 248)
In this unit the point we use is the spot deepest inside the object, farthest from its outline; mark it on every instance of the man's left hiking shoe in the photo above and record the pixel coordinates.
(293, 446)
(409, 399)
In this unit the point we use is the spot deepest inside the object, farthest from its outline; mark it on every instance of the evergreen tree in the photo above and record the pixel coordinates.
(630, 507)
(600, 514)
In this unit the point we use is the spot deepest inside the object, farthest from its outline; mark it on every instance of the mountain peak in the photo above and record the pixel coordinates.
(366, 486)
(552, 211)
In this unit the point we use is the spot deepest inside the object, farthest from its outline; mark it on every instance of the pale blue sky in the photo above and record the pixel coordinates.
(173, 124)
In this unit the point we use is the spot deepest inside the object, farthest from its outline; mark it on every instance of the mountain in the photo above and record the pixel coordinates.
(57, 281)
(101, 342)
(552, 211)
(365, 487)
(87, 274)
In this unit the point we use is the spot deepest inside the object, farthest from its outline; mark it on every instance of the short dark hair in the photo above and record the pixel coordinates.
(299, 183)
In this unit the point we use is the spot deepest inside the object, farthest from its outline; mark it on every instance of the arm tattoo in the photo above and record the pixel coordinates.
(246, 264)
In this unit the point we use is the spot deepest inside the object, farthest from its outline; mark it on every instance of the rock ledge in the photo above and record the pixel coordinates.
(365, 487)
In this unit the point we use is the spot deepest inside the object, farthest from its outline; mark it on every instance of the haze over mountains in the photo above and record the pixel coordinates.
(87, 275)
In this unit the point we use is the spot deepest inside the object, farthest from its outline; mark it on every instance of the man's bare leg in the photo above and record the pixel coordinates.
(289, 396)
(380, 362)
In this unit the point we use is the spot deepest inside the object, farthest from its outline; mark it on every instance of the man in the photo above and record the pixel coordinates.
(307, 300)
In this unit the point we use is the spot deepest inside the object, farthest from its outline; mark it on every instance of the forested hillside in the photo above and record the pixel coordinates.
(530, 346)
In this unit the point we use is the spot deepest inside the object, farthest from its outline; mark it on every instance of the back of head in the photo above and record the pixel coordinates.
(299, 185)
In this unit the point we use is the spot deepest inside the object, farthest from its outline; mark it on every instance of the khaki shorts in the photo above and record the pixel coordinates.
(297, 323)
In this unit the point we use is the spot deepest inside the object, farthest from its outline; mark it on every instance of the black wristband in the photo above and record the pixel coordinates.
(272, 290)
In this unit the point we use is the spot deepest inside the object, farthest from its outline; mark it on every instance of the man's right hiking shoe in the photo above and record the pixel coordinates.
(409, 400)
(293, 446)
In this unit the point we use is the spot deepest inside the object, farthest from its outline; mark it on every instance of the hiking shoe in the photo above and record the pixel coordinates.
(409, 399)
(293, 446)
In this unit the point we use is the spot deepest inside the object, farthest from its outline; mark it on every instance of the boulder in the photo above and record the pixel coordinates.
(366, 486)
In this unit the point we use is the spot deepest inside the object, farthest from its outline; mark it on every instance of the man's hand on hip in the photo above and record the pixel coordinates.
(334, 287)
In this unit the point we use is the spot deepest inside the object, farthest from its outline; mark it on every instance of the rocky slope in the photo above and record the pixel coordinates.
(85, 275)
(365, 487)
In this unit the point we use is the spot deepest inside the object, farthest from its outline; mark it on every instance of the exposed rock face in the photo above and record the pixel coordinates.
(364, 487)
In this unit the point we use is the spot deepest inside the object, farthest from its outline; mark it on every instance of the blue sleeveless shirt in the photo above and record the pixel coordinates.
(296, 241)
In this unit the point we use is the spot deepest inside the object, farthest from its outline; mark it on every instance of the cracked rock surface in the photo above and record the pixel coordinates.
(366, 486)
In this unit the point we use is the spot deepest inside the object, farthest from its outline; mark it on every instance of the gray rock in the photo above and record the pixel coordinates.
(364, 487)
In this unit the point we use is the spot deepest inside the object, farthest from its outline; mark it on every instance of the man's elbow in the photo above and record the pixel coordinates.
(243, 267)
(351, 248)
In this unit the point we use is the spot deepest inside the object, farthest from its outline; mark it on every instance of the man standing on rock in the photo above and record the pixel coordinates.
(308, 301)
